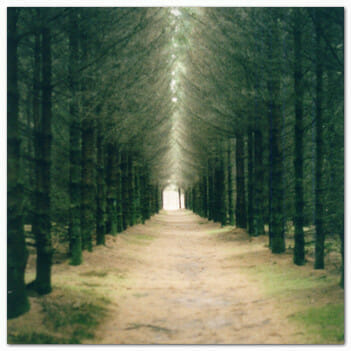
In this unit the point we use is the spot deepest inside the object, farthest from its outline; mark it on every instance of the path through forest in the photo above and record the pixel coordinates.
(180, 284)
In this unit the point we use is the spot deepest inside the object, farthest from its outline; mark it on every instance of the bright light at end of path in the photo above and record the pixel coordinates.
(174, 99)
(171, 198)
(175, 12)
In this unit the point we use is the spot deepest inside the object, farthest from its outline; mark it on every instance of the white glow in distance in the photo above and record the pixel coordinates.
(175, 12)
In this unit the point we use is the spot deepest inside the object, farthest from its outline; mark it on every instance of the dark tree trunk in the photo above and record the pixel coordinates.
(319, 196)
(277, 225)
(258, 174)
(125, 190)
(219, 192)
(194, 198)
(88, 175)
(42, 282)
(230, 185)
(299, 249)
(204, 196)
(131, 191)
(88, 190)
(250, 183)
(137, 194)
(101, 189)
(211, 211)
(36, 111)
(145, 195)
(240, 211)
(74, 146)
(119, 195)
(17, 300)
(112, 174)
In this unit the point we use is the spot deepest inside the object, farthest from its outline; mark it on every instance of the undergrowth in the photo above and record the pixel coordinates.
(69, 316)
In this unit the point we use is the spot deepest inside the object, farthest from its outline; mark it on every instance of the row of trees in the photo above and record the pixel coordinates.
(88, 101)
(262, 99)
(241, 107)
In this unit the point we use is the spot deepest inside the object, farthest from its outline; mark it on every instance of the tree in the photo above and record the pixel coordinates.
(299, 248)
(17, 300)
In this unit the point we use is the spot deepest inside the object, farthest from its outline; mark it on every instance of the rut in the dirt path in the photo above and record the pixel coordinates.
(181, 289)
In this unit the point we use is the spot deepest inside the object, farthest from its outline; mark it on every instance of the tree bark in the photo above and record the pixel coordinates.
(17, 300)
(230, 185)
(74, 146)
(240, 211)
(101, 189)
(319, 196)
(42, 282)
(299, 248)
(112, 174)
(258, 175)
(88, 190)
(125, 200)
(250, 184)
(277, 225)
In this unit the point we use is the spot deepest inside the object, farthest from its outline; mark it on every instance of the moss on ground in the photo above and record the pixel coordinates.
(68, 316)
(226, 229)
(309, 294)
(325, 323)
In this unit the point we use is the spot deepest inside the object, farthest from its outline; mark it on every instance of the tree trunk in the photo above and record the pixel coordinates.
(101, 189)
(88, 191)
(125, 192)
(74, 146)
(42, 282)
(119, 195)
(240, 212)
(131, 192)
(299, 249)
(179, 198)
(219, 191)
(277, 230)
(112, 186)
(230, 185)
(137, 194)
(145, 195)
(319, 197)
(17, 300)
(211, 210)
(250, 184)
(258, 174)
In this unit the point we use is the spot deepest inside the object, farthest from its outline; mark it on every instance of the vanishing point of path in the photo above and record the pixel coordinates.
(184, 286)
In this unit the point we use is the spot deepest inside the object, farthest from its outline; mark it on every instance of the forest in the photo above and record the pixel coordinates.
(240, 109)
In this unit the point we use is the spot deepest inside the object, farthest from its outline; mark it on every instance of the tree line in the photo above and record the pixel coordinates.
(242, 108)
(88, 101)
(262, 99)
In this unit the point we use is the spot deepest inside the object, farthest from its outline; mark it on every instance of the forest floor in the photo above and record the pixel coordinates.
(180, 279)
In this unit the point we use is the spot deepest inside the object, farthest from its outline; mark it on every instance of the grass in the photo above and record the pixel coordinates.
(68, 316)
(280, 279)
(139, 239)
(99, 274)
(326, 323)
(143, 237)
(312, 296)
(226, 229)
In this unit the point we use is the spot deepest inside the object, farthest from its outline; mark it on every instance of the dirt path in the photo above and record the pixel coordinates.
(184, 287)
